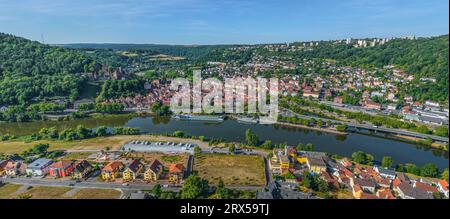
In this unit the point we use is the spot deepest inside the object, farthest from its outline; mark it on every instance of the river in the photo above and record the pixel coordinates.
(378, 146)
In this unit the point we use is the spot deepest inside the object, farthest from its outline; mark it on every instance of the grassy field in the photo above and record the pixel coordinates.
(97, 194)
(77, 156)
(232, 169)
(8, 190)
(44, 192)
(113, 142)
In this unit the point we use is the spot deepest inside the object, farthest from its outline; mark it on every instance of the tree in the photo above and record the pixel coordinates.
(222, 192)
(289, 175)
(267, 144)
(194, 188)
(250, 138)
(300, 147)
(308, 180)
(232, 148)
(309, 147)
(441, 131)
(197, 150)
(101, 131)
(429, 170)
(178, 134)
(387, 162)
(342, 128)
(444, 174)
(156, 190)
(362, 158)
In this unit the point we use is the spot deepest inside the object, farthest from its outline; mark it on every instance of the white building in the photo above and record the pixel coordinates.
(39, 167)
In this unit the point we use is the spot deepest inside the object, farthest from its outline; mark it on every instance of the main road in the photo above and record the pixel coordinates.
(287, 112)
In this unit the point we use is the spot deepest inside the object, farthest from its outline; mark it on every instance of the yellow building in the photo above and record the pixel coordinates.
(154, 171)
(176, 172)
(302, 159)
(316, 165)
(132, 170)
(111, 171)
(284, 162)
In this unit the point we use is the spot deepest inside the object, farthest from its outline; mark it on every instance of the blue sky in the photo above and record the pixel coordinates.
(220, 21)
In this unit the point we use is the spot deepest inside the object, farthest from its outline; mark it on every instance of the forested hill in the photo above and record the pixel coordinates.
(31, 70)
(191, 52)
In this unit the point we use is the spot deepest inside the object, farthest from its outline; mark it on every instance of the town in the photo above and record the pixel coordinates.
(288, 173)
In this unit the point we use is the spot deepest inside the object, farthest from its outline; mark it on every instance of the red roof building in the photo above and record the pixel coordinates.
(61, 169)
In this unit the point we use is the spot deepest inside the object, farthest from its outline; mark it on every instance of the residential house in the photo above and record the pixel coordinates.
(332, 181)
(2, 167)
(316, 164)
(132, 170)
(425, 187)
(61, 168)
(176, 173)
(12, 168)
(154, 171)
(407, 191)
(111, 170)
(385, 194)
(367, 196)
(367, 185)
(82, 169)
(386, 173)
(39, 167)
(443, 187)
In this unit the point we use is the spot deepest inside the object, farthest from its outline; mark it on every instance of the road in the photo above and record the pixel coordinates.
(82, 184)
(99, 185)
(287, 112)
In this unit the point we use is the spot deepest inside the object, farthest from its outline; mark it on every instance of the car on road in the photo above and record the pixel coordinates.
(125, 184)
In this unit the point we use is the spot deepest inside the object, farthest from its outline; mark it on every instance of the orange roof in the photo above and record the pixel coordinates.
(11, 165)
(426, 187)
(176, 168)
(396, 182)
(61, 164)
(113, 166)
(385, 194)
(443, 183)
(368, 196)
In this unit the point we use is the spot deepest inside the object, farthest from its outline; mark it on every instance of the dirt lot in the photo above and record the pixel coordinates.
(232, 169)
(165, 159)
(97, 194)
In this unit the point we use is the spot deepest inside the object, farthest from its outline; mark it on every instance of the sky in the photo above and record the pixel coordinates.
(220, 21)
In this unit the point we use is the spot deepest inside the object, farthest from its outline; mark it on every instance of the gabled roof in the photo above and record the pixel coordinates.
(425, 187)
(11, 165)
(444, 184)
(156, 166)
(133, 165)
(365, 182)
(64, 164)
(410, 191)
(113, 166)
(385, 194)
(368, 196)
(80, 166)
(176, 168)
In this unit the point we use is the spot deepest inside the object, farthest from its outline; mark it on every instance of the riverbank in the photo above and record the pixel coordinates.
(328, 130)
(98, 143)
(434, 145)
